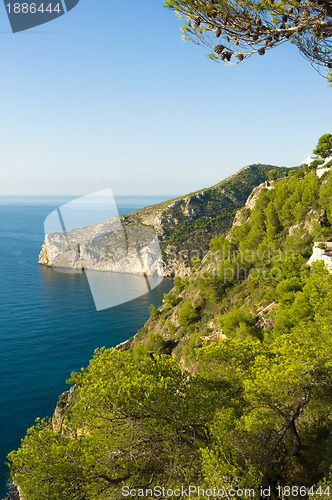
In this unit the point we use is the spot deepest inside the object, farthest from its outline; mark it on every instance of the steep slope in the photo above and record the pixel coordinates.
(233, 291)
(184, 225)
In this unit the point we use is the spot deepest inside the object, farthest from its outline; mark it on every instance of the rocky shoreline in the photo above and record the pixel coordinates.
(16, 493)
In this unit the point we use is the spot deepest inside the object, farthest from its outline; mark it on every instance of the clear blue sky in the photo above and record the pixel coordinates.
(110, 96)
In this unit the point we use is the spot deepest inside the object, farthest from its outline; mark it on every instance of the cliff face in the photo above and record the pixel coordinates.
(62, 406)
(43, 256)
(183, 227)
(16, 493)
(242, 214)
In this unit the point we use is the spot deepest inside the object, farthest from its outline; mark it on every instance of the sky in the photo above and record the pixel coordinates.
(109, 96)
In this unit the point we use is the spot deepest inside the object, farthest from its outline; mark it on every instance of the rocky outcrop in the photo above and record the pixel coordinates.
(242, 214)
(20, 493)
(126, 345)
(16, 493)
(105, 247)
(251, 201)
(61, 409)
(44, 258)
(182, 227)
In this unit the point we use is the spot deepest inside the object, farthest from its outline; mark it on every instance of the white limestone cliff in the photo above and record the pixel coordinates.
(105, 247)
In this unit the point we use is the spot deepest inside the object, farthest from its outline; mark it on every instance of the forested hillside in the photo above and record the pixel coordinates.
(228, 385)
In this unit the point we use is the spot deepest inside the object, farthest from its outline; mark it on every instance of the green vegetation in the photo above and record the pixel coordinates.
(315, 164)
(136, 418)
(188, 223)
(188, 314)
(272, 175)
(324, 146)
(229, 382)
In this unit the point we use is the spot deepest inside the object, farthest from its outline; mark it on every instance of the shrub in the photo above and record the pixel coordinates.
(316, 163)
(157, 345)
(154, 312)
(188, 314)
(272, 175)
(171, 298)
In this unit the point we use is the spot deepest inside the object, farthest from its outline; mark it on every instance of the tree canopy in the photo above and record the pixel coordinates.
(237, 29)
(324, 146)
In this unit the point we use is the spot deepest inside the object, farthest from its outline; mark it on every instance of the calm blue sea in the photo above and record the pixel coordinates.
(48, 322)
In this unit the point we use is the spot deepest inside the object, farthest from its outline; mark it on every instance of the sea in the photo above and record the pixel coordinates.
(49, 325)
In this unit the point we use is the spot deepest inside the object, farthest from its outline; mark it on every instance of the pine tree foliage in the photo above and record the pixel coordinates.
(324, 146)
